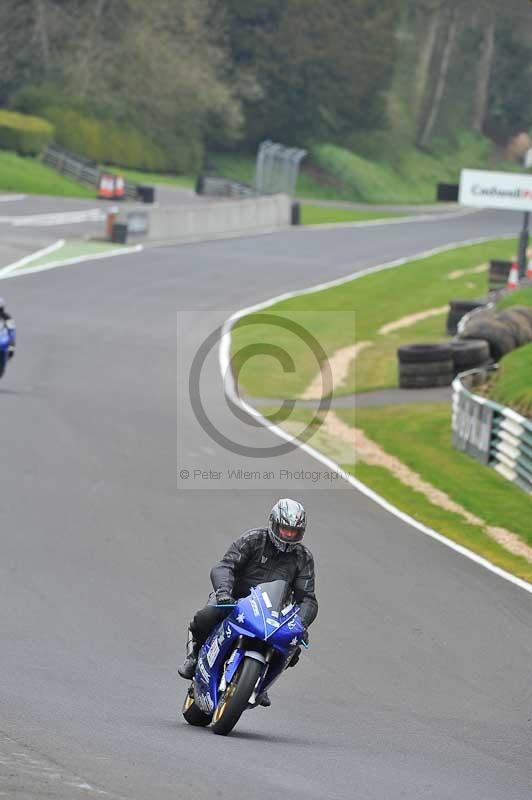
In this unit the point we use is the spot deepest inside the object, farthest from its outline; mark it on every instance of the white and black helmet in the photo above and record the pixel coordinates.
(287, 524)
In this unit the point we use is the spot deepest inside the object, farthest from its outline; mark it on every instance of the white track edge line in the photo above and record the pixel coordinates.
(75, 260)
(224, 360)
(32, 257)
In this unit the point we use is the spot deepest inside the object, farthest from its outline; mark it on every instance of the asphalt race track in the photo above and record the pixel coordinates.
(417, 683)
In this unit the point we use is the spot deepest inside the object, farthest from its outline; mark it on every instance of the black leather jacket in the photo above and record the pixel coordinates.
(254, 559)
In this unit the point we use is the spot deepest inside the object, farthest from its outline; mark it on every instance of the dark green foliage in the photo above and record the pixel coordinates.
(24, 134)
(154, 84)
(510, 107)
(107, 142)
(322, 68)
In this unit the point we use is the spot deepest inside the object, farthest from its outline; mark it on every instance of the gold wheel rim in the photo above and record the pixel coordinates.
(220, 708)
(189, 700)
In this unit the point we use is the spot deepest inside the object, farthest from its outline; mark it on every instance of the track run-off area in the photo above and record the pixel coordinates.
(417, 682)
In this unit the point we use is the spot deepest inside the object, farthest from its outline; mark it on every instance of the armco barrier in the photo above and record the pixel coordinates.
(194, 223)
(86, 171)
(491, 433)
(222, 187)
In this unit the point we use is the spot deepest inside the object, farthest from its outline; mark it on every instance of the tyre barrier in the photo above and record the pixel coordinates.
(427, 365)
(458, 309)
(422, 366)
(503, 330)
(469, 353)
(492, 434)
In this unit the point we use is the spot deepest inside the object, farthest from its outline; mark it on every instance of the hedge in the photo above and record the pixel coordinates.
(107, 142)
(23, 133)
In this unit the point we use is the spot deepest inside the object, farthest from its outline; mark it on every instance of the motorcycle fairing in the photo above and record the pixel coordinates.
(261, 616)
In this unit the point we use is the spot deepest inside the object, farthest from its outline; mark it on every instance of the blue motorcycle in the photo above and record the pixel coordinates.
(7, 344)
(243, 657)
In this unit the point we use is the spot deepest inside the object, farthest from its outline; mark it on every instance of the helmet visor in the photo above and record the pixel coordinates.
(290, 535)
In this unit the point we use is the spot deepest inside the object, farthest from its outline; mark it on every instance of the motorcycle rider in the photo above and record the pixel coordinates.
(258, 556)
(9, 322)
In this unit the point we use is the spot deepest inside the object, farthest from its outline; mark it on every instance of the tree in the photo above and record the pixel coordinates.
(322, 69)
(484, 68)
(441, 78)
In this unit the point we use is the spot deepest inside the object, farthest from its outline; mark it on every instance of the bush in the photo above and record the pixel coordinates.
(99, 137)
(106, 142)
(24, 134)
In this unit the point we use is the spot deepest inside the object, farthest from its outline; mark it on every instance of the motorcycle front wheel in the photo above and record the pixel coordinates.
(234, 701)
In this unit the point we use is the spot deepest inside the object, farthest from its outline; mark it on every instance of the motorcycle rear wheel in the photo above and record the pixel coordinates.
(234, 700)
(192, 714)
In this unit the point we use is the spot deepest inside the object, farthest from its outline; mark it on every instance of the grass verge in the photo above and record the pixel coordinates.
(480, 490)
(477, 488)
(512, 384)
(320, 215)
(520, 297)
(24, 174)
(355, 311)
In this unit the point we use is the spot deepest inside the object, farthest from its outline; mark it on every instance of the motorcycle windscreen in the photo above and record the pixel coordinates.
(275, 595)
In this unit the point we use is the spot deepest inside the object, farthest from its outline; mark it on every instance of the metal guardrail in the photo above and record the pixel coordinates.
(81, 169)
(276, 172)
(222, 187)
(277, 168)
(491, 433)
(72, 166)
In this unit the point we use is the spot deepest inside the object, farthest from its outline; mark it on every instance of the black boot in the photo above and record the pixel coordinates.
(188, 667)
(264, 700)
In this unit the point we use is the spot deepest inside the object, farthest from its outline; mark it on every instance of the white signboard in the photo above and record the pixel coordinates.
(510, 190)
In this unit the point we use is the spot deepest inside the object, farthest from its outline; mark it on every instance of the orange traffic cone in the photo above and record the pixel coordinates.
(513, 277)
(107, 186)
(120, 188)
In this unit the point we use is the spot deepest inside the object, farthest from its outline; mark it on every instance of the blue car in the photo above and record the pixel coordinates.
(243, 657)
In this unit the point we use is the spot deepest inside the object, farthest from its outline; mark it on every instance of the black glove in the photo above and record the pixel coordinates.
(223, 598)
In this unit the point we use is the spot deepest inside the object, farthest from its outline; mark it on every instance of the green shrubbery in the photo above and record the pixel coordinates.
(106, 141)
(92, 133)
(403, 174)
(24, 134)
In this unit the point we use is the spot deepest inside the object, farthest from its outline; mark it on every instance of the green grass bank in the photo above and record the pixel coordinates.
(31, 176)
(356, 311)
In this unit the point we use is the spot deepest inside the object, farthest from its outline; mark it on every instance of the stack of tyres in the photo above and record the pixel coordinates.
(425, 365)
(502, 330)
(470, 353)
(458, 309)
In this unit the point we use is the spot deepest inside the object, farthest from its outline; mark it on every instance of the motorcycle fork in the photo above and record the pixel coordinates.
(268, 657)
